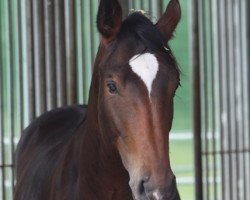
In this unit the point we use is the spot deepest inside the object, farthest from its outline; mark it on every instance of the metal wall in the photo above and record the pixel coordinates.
(47, 52)
(45, 48)
(221, 99)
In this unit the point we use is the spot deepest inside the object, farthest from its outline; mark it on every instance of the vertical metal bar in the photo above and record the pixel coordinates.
(92, 28)
(20, 76)
(79, 51)
(155, 10)
(28, 102)
(11, 97)
(60, 53)
(87, 47)
(16, 65)
(69, 11)
(96, 36)
(242, 170)
(39, 56)
(247, 89)
(137, 4)
(146, 5)
(230, 98)
(227, 101)
(7, 95)
(50, 54)
(216, 140)
(130, 3)
(86, 53)
(213, 82)
(237, 97)
(125, 8)
(2, 174)
(238, 101)
(204, 75)
(222, 92)
(197, 101)
(241, 111)
(16, 109)
(227, 98)
(204, 81)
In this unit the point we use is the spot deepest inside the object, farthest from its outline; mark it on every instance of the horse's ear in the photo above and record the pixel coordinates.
(109, 19)
(170, 19)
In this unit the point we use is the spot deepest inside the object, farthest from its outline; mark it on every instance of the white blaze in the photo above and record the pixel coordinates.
(146, 67)
(156, 196)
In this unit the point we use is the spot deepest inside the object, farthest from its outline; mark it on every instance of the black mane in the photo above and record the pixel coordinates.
(139, 27)
(144, 33)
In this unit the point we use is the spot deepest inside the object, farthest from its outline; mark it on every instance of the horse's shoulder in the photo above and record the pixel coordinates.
(42, 146)
(52, 127)
(65, 117)
(57, 119)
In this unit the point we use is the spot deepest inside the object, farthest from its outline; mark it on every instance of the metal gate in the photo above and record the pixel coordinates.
(47, 50)
(221, 99)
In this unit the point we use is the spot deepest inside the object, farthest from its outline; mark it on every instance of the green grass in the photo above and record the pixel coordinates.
(181, 152)
(186, 192)
(181, 155)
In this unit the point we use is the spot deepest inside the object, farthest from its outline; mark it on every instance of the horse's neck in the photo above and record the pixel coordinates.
(101, 171)
(101, 174)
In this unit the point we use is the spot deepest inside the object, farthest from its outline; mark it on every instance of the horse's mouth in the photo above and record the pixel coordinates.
(174, 196)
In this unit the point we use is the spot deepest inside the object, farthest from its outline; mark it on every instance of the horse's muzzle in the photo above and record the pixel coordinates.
(165, 195)
(147, 191)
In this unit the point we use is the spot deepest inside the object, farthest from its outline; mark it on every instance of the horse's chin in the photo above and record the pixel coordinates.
(173, 196)
(141, 197)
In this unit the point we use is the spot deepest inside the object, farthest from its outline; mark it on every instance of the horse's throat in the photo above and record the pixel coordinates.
(102, 171)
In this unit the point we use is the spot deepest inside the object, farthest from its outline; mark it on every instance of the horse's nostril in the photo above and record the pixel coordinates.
(142, 185)
(141, 188)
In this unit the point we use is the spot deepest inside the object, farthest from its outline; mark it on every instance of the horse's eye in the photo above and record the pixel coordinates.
(112, 87)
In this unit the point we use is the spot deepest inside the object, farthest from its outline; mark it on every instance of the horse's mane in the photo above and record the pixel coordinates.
(139, 27)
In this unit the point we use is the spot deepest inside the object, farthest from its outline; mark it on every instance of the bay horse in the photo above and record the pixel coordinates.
(117, 147)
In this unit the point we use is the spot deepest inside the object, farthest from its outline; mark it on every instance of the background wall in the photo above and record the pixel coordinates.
(221, 99)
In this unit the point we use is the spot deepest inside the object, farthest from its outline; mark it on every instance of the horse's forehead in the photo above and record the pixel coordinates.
(146, 67)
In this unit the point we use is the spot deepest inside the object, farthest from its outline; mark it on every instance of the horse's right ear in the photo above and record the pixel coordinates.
(109, 19)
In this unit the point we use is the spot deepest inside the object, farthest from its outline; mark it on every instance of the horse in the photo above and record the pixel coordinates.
(117, 147)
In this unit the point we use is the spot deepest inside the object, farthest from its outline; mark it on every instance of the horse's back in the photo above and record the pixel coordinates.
(42, 147)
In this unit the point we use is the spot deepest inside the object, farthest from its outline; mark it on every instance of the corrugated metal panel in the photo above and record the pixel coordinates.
(224, 94)
(152, 7)
(46, 53)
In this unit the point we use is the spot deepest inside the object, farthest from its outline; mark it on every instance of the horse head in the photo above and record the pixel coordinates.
(137, 77)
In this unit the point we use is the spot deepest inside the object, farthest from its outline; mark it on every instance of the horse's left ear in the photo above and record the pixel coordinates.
(109, 19)
(170, 19)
